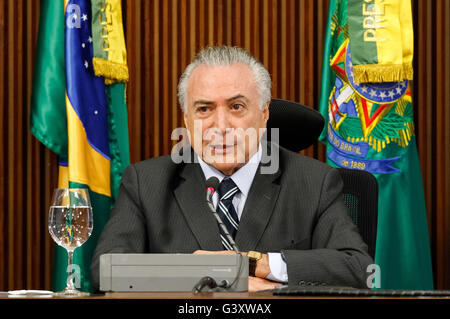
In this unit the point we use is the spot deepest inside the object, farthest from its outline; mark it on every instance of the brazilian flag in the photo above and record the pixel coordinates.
(367, 103)
(76, 115)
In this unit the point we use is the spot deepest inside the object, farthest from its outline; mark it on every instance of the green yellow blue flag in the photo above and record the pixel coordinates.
(367, 103)
(78, 117)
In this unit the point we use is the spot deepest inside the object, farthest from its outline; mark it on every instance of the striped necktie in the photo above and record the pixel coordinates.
(226, 211)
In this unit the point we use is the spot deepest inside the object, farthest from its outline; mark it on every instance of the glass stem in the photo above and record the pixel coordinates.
(70, 270)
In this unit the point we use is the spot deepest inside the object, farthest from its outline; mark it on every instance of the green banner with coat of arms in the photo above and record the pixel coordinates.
(367, 103)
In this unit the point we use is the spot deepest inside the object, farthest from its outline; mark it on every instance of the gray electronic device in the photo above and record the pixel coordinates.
(170, 272)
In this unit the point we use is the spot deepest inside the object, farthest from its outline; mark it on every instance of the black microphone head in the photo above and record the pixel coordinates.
(213, 182)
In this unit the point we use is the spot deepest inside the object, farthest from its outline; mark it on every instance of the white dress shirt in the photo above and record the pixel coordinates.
(243, 178)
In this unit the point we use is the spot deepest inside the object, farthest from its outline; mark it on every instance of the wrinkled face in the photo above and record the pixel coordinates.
(224, 116)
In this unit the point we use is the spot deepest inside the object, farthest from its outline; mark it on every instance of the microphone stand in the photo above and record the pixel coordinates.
(208, 281)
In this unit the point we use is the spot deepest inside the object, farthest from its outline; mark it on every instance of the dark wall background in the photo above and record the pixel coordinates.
(162, 36)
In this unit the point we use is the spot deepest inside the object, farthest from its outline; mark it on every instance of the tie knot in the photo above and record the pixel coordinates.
(227, 189)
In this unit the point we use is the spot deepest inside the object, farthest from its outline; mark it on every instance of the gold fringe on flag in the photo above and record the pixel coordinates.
(375, 73)
(113, 72)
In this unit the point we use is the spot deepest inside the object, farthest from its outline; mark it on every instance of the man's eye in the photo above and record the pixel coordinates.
(203, 109)
(237, 106)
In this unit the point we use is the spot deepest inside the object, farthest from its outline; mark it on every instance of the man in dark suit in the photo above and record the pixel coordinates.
(292, 220)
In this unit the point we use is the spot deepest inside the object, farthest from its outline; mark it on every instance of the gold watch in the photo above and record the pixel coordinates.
(253, 257)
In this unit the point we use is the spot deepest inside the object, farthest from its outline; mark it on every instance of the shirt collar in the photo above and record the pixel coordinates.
(243, 177)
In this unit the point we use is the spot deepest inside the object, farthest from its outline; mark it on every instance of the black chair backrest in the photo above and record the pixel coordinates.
(300, 127)
(361, 197)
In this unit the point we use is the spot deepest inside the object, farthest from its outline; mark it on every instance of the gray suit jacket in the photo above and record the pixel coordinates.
(298, 211)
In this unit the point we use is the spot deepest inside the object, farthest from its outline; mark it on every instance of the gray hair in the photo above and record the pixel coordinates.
(226, 56)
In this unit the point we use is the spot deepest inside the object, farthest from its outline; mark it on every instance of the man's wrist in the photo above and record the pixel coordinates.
(258, 264)
(262, 267)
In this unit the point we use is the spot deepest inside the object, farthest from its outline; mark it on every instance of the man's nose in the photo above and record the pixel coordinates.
(222, 120)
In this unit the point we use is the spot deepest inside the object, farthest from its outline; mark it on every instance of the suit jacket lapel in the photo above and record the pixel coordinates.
(258, 208)
(191, 197)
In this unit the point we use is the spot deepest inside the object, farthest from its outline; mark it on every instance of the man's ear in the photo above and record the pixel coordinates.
(185, 119)
(266, 112)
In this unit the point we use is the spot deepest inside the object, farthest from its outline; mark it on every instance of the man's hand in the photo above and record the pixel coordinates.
(262, 267)
(257, 284)
(261, 271)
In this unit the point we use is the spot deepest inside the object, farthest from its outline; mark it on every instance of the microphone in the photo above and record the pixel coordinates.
(212, 184)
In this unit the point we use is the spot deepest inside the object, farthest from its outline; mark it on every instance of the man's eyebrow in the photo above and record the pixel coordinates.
(203, 102)
(206, 102)
(239, 96)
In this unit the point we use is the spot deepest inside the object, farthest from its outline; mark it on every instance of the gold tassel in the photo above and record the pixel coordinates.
(408, 71)
(113, 72)
(374, 73)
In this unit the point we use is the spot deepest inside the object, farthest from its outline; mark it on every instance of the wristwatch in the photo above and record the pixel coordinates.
(253, 257)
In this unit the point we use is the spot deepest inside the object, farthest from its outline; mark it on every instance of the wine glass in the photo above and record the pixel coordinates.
(70, 224)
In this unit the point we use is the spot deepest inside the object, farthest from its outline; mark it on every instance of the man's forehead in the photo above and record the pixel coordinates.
(228, 81)
(227, 74)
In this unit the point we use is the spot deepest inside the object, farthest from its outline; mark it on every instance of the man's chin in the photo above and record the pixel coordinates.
(227, 169)
(226, 165)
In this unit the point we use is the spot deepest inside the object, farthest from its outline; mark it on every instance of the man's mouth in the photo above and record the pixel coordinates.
(222, 149)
